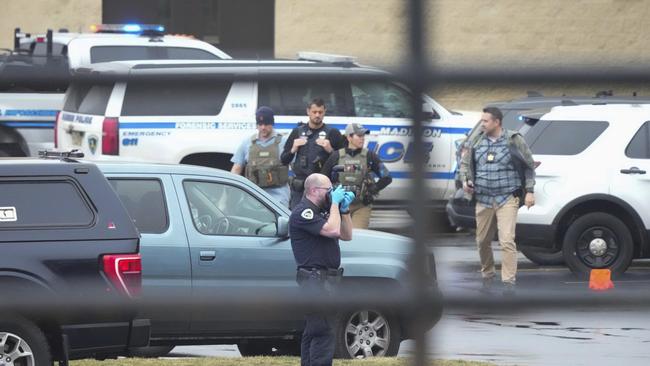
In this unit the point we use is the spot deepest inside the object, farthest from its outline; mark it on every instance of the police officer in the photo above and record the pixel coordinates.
(317, 223)
(358, 165)
(308, 147)
(499, 171)
(259, 157)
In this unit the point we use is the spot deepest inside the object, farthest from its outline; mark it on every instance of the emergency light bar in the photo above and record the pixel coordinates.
(128, 28)
(326, 57)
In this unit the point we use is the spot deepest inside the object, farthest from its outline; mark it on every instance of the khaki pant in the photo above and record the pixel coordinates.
(360, 215)
(502, 219)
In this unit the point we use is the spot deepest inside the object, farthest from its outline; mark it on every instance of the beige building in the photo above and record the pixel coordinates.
(508, 33)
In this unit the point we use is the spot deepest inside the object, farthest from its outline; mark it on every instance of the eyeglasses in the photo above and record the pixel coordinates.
(329, 189)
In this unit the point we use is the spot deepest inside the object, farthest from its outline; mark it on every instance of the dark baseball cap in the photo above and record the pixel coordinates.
(357, 129)
(264, 116)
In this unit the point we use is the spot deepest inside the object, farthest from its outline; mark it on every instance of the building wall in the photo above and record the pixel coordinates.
(485, 32)
(36, 16)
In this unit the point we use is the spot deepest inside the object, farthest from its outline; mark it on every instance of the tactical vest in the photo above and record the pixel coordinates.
(355, 174)
(264, 167)
(310, 157)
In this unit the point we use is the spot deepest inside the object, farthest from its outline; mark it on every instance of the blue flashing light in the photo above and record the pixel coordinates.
(132, 28)
(521, 118)
(160, 28)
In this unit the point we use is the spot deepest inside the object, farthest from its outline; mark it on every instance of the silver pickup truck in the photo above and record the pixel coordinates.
(206, 231)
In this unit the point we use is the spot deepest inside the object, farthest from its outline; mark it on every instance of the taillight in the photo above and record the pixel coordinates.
(56, 129)
(110, 136)
(124, 271)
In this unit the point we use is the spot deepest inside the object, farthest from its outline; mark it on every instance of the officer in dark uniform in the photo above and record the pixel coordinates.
(308, 147)
(317, 223)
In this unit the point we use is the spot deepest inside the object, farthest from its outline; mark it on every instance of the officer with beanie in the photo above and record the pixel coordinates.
(358, 167)
(316, 224)
(308, 147)
(259, 157)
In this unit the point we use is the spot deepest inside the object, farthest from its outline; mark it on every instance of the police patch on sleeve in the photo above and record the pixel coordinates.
(307, 214)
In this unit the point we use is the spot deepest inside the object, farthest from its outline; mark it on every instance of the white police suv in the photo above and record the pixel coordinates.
(198, 112)
(593, 187)
(35, 74)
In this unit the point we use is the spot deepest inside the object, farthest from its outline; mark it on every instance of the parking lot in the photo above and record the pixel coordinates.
(571, 336)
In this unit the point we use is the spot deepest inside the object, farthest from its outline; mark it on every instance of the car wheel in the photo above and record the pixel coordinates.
(150, 352)
(543, 258)
(22, 343)
(598, 240)
(367, 333)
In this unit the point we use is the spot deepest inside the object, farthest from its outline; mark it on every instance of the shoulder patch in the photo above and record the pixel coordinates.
(307, 214)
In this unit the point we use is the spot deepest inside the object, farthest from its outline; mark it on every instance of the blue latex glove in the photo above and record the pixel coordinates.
(347, 200)
(338, 195)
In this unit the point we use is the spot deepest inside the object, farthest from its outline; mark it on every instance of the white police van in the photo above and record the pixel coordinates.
(199, 112)
(35, 74)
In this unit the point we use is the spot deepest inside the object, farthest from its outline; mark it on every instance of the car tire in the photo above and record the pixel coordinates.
(370, 326)
(151, 351)
(543, 258)
(597, 241)
(24, 342)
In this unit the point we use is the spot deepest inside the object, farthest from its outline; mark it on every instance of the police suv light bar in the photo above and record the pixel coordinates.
(326, 57)
(128, 28)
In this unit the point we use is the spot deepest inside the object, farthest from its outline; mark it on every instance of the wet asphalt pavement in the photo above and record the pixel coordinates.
(572, 331)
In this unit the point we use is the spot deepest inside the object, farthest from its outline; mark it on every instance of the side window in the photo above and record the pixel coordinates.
(222, 209)
(292, 97)
(377, 99)
(144, 200)
(42, 204)
(639, 147)
(119, 53)
(563, 137)
(88, 99)
(185, 53)
(173, 98)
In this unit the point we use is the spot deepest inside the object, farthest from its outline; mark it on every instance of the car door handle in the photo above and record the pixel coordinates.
(208, 255)
(633, 170)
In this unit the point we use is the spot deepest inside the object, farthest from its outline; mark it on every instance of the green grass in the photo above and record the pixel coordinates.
(259, 361)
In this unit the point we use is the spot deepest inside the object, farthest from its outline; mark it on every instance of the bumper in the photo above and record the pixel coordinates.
(90, 340)
(538, 236)
(461, 213)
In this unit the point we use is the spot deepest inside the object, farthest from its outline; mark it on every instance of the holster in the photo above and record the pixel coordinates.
(297, 184)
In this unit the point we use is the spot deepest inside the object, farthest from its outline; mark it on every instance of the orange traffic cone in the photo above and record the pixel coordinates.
(600, 280)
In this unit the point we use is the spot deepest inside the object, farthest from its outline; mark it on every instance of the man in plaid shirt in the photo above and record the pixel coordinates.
(499, 171)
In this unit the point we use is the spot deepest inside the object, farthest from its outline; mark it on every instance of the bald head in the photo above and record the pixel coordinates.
(316, 186)
(316, 180)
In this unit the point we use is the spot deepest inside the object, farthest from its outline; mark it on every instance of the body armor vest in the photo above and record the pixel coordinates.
(264, 167)
(310, 157)
(354, 176)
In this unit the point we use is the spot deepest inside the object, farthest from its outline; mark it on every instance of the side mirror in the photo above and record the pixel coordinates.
(283, 227)
(429, 112)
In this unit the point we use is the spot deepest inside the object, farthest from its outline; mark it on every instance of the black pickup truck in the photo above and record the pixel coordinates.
(70, 264)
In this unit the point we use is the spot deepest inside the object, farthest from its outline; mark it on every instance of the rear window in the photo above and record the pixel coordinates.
(563, 137)
(87, 98)
(43, 204)
(125, 53)
(291, 98)
(144, 199)
(639, 147)
(171, 98)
